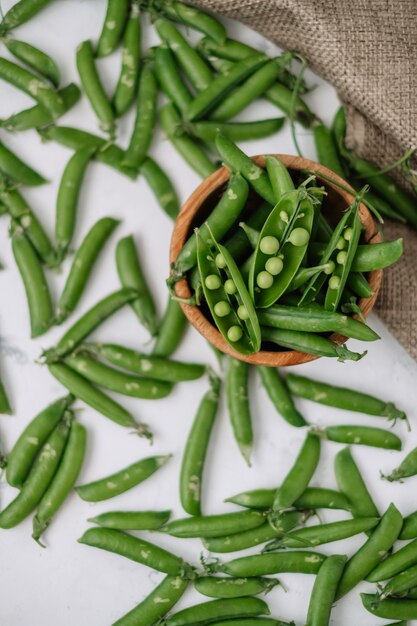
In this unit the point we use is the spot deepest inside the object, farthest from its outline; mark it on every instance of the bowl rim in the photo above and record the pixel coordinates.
(182, 290)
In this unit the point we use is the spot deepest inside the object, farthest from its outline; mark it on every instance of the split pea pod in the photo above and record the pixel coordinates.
(390, 608)
(196, 449)
(214, 610)
(312, 498)
(315, 318)
(17, 170)
(82, 266)
(196, 19)
(143, 128)
(342, 397)
(352, 485)
(310, 343)
(238, 405)
(22, 214)
(82, 389)
(63, 481)
(134, 549)
(377, 256)
(121, 481)
(148, 365)
(37, 88)
(281, 398)
(362, 435)
(222, 587)
(93, 87)
(324, 590)
(237, 161)
(34, 58)
(126, 85)
(162, 187)
(114, 24)
(224, 215)
(191, 152)
(214, 525)
(89, 322)
(171, 330)
(157, 604)
(300, 562)
(114, 380)
(40, 476)
(132, 520)
(299, 476)
(169, 78)
(37, 291)
(108, 153)
(31, 440)
(372, 552)
(395, 563)
(235, 131)
(195, 68)
(131, 277)
(67, 199)
(38, 116)
(21, 12)
(407, 468)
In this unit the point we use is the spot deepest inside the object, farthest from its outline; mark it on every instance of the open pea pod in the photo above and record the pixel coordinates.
(227, 296)
(281, 247)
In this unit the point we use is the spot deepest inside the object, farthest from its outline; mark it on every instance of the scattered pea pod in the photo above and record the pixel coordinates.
(18, 171)
(390, 608)
(215, 525)
(401, 583)
(327, 151)
(377, 256)
(278, 393)
(114, 24)
(162, 187)
(408, 467)
(362, 435)
(395, 563)
(324, 590)
(196, 19)
(238, 405)
(124, 93)
(5, 408)
(235, 131)
(300, 562)
(214, 610)
(279, 177)
(121, 481)
(34, 58)
(21, 12)
(171, 330)
(169, 79)
(409, 529)
(132, 520)
(352, 485)
(312, 498)
(221, 587)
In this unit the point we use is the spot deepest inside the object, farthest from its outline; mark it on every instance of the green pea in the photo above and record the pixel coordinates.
(213, 282)
(220, 261)
(348, 233)
(341, 243)
(274, 265)
(230, 287)
(234, 333)
(331, 266)
(334, 282)
(264, 280)
(341, 257)
(269, 245)
(242, 312)
(222, 308)
(284, 216)
(299, 237)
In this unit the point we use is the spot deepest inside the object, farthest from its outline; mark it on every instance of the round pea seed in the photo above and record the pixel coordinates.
(213, 281)
(331, 266)
(299, 237)
(222, 308)
(234, 333)
(264, 280)
(269, 245)
(242, 312)
(341, 243)
(348, 233)
(334, 282)
(274, 265)
(341, 257)
(220, 261)
(230, 287)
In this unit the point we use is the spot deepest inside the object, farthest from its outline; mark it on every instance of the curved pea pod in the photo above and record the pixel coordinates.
(222, 587)
(243, 333)
(408, 467)
(162, 187)
(126, 85)
(214, 610)
(279, 395)
(169, 78)
(17, 170)
(196, 19)
(282, 245)
(409, 529)
(390, 608)
(362, 435)
(324, 590)
(312, 498)
(352, 485)
(132, 520)
(377, 256)
(214, 525)
(157, 604)
(300, 562)
(21, 12)
(34, 58)
(171, 330)
(239, 406)
(5, 407)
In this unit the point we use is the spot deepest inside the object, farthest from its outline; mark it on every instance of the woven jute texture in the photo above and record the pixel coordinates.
(367, 50)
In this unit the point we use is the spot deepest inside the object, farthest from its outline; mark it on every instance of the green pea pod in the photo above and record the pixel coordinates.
(214, 525)
(327, 151)
(312, 498)
(169, 78)
(221, 587)
(280, 396)
(21, 12)
(377, 256)
(142, 133)
(157, 604)
(362, 435)
(196, 19)
(238, 405)
(37, 116)
(126, 85)
(17, 170)
(82, 266)
(236, 131)
(35, 59)
(67, 199)
(279, 177)
(395, 564)
(221, 219)
(281, 247)
(5, 407)
(40, 476)
(63, 481)
(114, 24)
(171, 330)
(408, 467)
(132, 520)
(207, 99)
(214, 610)
(31, 440)
(300, 562)
(37, 88)
(36, 287)
(401, 583)
(352, 485)
(390, 608)
(324, 591)
(409, 529)
(121, 481)
(358, 284)
(241, 331)
(162, 187)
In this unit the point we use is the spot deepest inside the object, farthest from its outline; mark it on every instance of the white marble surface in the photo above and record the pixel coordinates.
(72, 584)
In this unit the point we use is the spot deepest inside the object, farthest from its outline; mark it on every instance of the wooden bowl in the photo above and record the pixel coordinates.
(195, 211)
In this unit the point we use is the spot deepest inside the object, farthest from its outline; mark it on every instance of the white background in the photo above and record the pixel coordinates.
(69, 583)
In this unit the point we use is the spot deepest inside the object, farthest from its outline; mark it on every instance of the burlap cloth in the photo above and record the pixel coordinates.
(367, 50)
